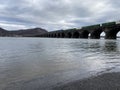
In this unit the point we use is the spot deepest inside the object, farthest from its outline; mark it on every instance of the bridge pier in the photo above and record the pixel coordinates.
(95, 34)
(75, 34)
(68, 35)
(51, 35)
(62, 34)
(84, 34)
(110, 29)
(58, 35)
(111, 33)
(54, 35)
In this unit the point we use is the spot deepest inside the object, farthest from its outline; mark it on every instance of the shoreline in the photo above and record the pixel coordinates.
(107, 81)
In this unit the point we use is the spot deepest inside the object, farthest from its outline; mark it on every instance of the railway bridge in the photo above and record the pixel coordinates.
(94, 31)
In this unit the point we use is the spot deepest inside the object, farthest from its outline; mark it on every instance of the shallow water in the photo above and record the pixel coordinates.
(42, 63)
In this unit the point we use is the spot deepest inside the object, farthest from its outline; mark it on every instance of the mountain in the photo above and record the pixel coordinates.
(22, 33)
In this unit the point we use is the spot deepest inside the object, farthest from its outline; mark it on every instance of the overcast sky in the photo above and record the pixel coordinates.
(56, 14)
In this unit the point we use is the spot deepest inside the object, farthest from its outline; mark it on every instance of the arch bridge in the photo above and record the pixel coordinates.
(110, 29)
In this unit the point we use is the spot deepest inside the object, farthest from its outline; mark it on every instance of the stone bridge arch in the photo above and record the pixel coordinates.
(111, 33)
(54, 35)
(95, 34)
(68, 35)
(84, 34)
(62, 34)
(94, 31)
(111, 29)
(58, 35)
(75, 34)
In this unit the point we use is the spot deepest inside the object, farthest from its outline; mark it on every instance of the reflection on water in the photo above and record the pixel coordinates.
(110, 46)
(32, 63)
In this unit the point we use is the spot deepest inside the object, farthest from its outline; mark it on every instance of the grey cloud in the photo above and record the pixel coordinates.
(57, 14)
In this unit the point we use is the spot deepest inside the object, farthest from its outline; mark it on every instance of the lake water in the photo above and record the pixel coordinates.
(42, 63)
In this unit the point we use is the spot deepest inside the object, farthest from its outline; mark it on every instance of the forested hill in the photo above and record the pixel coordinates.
(22, 33)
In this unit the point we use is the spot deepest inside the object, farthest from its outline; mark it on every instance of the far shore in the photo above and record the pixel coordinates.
(107, 81)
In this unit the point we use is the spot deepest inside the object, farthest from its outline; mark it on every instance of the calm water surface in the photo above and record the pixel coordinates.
(42, 63)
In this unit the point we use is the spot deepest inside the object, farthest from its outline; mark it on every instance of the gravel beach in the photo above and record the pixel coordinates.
(107, 81)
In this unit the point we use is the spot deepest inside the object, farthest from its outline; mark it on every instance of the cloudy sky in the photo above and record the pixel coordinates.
(56, 14)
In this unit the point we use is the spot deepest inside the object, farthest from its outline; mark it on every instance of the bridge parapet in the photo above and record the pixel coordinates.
(109, 25)
(91, 27)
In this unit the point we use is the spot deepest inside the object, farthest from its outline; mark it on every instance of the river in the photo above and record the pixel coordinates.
(42, 63)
